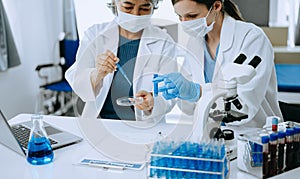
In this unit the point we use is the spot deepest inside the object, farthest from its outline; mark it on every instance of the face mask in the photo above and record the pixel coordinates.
(197, 27)
(133, 23)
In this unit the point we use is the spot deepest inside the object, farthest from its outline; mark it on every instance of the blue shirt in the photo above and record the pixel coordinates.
(209, 64)
(127, 52)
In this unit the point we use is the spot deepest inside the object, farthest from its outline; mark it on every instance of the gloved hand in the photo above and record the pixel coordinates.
(175, 85)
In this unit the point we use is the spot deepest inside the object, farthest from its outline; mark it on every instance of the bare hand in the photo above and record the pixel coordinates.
(148, 103)
(106, 63)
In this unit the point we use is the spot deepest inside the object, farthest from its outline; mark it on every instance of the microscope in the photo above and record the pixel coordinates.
(208, 119)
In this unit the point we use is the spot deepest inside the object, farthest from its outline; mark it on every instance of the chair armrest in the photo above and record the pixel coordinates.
(39, 67)
(39, 70)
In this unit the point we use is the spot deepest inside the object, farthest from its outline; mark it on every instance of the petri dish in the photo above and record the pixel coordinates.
(129, 101)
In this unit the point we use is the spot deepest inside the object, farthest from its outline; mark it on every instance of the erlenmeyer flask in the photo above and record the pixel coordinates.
(39, 150)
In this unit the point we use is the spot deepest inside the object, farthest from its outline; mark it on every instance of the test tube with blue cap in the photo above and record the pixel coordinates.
(155, 88)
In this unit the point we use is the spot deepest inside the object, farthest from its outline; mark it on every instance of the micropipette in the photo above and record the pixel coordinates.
(124, 74)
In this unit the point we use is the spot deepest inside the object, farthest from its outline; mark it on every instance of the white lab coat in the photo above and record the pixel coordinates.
(155, 55)
(259, 95)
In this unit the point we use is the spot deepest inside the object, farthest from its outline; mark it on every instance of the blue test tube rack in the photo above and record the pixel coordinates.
(256, 153)
(189, 160)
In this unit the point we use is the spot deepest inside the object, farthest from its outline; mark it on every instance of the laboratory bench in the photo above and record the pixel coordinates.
(66, 159)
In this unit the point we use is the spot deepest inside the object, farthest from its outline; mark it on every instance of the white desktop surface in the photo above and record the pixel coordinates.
(14, 166)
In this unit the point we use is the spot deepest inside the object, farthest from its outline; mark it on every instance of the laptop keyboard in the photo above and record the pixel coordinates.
(22, 134)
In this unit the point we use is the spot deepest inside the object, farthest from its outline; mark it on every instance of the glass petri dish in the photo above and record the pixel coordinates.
(129, 101)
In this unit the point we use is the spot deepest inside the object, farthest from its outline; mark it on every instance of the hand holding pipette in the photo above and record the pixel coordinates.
(106, 63)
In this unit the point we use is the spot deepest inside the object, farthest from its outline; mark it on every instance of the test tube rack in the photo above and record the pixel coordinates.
(252, 159)
(171, 165)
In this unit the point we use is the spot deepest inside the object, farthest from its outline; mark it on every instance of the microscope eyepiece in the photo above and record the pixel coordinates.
(240, 59)
(255, 61)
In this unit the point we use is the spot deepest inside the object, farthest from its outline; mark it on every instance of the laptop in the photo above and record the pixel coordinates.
(16, 136)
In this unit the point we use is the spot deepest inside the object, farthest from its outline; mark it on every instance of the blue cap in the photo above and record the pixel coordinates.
(281, 134)
(273, 137)
(265, 139)
(274, 121)
(289, 131)
(297, 130)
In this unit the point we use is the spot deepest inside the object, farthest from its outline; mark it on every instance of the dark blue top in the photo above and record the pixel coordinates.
(127, 53)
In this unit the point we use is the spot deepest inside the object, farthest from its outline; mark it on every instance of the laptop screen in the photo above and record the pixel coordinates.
(7, 138)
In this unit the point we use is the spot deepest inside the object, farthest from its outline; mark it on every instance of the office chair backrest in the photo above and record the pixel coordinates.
(68, 50)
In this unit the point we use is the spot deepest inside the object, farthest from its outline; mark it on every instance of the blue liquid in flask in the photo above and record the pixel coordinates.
(39, 150)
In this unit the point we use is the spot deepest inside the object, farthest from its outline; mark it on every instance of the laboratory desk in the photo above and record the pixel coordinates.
(65, 164)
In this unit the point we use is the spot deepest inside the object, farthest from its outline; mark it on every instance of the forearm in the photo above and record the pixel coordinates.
(96, 81)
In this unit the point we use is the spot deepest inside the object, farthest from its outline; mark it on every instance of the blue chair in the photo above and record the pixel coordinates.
(288, 79)
(57, 96)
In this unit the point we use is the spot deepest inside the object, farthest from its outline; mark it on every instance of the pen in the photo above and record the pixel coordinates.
(124, 74)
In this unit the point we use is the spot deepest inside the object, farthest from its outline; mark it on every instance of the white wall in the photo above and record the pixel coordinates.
(91, 12)
(35, 25)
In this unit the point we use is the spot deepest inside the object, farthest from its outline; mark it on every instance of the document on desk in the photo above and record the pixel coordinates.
(111, 164)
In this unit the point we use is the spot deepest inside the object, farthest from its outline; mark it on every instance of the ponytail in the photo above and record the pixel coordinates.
(228, 6)
(232, 9)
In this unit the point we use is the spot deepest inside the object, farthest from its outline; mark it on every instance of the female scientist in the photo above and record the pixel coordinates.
(219, 35)
(137, 48)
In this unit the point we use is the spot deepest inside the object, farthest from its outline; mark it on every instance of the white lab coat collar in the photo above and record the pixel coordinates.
(226, 43)
(227, 32)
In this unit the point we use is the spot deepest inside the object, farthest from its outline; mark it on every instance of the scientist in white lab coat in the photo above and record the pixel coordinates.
(219, 35)
(139, 48)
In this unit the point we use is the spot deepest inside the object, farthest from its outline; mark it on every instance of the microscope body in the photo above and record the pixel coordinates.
(207, 124)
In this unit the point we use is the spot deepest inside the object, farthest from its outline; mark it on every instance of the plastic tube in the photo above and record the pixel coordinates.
(265, 142)
(274, 124)
(281, 144)
(124, 74)
(289, 148)
(296, 146)
(155, 87)
(273, 154)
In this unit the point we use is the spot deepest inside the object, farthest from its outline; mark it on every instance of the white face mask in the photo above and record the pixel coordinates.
(132, 23)
(197, 27)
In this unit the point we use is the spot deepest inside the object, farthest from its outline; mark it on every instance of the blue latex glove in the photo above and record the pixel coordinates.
(176, 86)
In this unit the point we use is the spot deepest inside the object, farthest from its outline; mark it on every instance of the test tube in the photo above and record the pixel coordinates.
(265, 169)
(273, 154)
(289, 148)
(281, 144)
(155, 86)
(297, 146)
(274, 124)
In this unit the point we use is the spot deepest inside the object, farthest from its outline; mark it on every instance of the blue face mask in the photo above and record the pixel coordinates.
(197, 27)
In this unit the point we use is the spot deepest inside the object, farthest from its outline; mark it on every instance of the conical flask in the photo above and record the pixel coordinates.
(39, 150)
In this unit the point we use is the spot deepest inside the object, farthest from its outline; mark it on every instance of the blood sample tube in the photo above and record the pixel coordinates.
(281, 144)
(296, 146)
(289, 140)
(274, 124)
(273, 154)
(265, 142)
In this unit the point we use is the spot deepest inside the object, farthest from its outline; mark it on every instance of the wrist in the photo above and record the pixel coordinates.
(198, 90)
